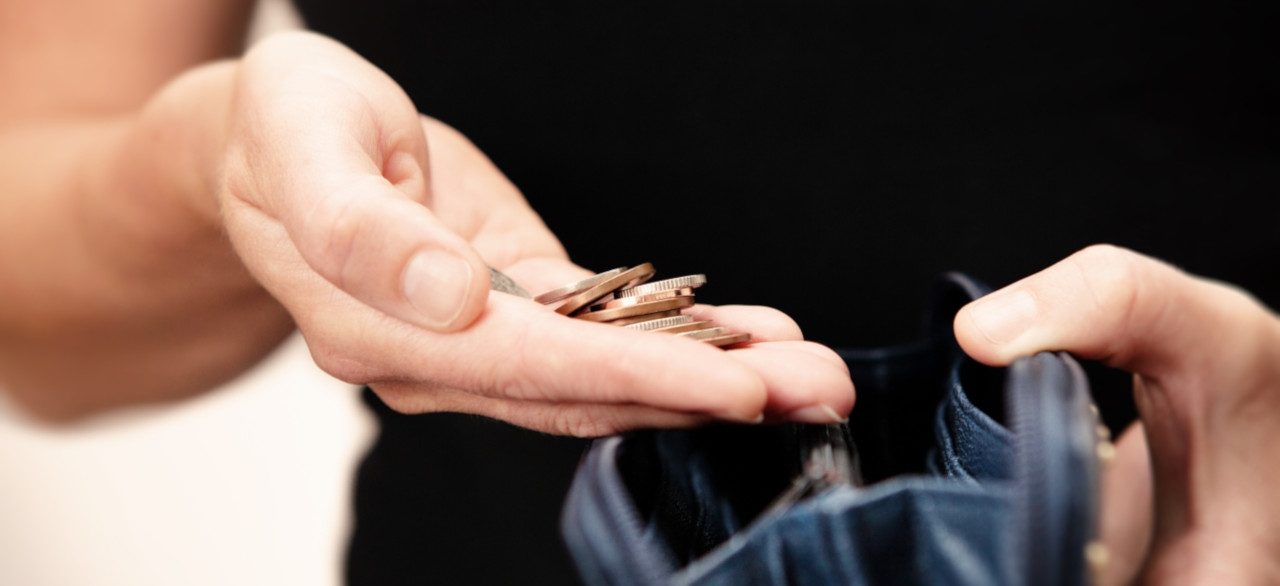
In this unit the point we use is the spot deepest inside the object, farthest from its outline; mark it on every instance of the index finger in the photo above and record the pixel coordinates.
(519, 349)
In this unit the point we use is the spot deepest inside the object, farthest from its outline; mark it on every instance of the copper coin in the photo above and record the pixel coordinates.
(567, 291)
(639, 319)
(689, 326)
(629, 301)
(728, 339)
(638, 309)
(662, 322)
(628, 278)
(685, 282)
(703, 334)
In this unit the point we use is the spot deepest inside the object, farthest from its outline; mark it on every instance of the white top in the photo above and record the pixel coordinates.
(250, 484)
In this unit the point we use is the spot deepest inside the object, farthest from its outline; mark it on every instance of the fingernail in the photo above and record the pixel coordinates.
(436, 284)
(815, 414)
(1004, 315)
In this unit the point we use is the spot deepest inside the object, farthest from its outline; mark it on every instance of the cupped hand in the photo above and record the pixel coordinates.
(1206, 360)
(374, 227)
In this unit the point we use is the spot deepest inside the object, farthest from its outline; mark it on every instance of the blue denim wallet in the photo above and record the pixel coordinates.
(951, 473)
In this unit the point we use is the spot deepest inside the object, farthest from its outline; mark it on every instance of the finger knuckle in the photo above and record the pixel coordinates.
(520, 384)
(1124, 292)
(339, 228)
(337, 364)
(631, 372)
(1102, 256)
(1113, 276)
(407, 399)
(580, 423)
(520, 376)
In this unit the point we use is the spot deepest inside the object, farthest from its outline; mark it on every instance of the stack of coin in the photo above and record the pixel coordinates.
(626, 297)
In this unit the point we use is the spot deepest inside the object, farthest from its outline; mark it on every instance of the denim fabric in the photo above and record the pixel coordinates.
(971, 445)
(949, 496)
(908, 531)
(914, 529)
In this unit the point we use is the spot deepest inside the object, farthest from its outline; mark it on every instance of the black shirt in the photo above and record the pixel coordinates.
(824, 157)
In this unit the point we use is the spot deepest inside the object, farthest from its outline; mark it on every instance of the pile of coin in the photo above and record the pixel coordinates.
(626, 297)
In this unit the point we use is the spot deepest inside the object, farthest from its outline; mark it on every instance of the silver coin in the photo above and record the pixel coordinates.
(501, 282)
(567, 291)
(662, 322)
(689, 327)
(685, 282)
(626, 321)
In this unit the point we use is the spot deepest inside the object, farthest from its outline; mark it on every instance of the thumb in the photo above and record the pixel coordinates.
(333, 149)
(1111, 304)
(1201, 353)
(393, 254)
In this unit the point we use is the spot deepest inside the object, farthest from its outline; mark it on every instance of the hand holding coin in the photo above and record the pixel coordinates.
(381, 252)
(621, 297)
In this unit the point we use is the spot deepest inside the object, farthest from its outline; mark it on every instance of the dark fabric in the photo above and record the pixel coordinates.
(456, 499)
(910, 530)
(971, 444)
(639, 498)
(828, 158)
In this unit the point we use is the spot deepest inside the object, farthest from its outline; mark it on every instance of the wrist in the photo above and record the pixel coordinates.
(179, 140)
(149, 200)
(124, 259)
(1205, 557)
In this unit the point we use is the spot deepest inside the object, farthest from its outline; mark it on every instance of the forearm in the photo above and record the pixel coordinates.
(118, 282)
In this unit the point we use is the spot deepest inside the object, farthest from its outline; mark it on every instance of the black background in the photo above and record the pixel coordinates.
(825, 158)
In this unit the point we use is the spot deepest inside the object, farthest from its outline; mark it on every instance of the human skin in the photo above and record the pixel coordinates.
(166, 223)
(1206, 363)
(171, 217)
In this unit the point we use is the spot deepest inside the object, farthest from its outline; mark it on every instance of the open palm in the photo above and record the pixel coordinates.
(373, 226)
